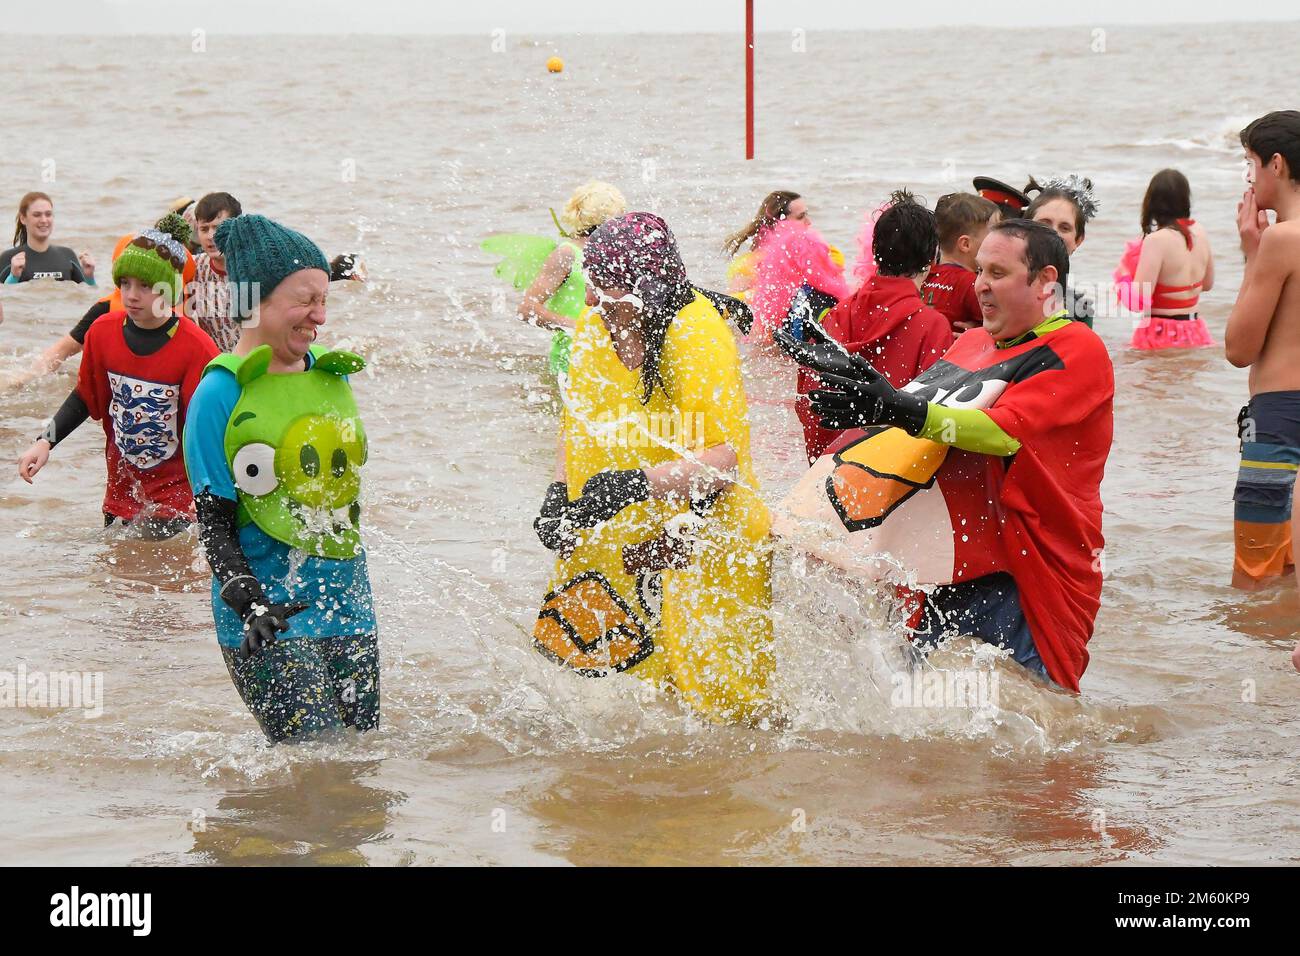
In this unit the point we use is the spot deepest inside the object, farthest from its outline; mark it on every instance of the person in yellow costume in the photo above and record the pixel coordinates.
(664, 563)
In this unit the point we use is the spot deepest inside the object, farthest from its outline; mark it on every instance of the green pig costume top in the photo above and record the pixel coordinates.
(288, 448)
(295, 445)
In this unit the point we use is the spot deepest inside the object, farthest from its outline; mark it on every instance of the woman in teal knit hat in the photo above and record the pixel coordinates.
(273, 449)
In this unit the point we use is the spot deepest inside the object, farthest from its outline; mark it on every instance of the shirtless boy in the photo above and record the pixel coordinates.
(1263, 334)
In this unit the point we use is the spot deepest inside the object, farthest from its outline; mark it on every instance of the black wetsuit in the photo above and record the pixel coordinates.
(56, 262)
(1080, 306)
(78, 333)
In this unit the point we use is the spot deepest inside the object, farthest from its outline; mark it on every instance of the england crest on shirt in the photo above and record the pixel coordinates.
(144, 418)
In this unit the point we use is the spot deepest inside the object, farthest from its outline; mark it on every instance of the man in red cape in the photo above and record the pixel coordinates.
(1025, 407)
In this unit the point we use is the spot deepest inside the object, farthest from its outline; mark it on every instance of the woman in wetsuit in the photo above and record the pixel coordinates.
(32, 255)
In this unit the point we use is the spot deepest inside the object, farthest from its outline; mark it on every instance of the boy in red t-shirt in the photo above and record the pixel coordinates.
(963, 221)
(139, 367)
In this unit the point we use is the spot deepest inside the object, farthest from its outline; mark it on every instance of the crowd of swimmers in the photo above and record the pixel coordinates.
(957, 351)
(943, 309)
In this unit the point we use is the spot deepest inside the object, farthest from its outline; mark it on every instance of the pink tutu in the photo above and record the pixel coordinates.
(1159, 333)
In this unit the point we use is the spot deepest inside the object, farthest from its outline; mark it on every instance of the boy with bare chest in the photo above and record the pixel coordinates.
(1263, 334)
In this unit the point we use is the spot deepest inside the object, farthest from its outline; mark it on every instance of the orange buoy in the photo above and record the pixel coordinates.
(555, 65)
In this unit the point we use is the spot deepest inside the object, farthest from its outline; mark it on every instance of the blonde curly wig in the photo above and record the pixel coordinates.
(590, 205)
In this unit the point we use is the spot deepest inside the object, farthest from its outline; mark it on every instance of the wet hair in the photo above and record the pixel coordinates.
(1043, 247)
(1008, 211)
(1076, 190)
(1276, 133)
(1168, 199)
(774, 208)
(654, 330)
(20, 231)
(905, 239)
(214, 204)
(961, 214)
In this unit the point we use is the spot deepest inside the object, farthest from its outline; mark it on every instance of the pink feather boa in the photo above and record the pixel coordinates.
(790, 255)
(865, 267)
(1129, 295)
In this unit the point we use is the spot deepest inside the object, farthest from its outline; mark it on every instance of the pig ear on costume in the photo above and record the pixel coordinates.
(255, 365)
(340, 363)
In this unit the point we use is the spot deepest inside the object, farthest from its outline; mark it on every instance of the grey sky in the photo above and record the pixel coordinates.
(589, 16)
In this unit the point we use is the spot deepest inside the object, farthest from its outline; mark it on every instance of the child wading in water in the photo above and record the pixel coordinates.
(208, 296)
(1263, 334)
(140, 368)
(962, 220)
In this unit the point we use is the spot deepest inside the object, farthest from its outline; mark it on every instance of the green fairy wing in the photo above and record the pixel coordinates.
(522, 256)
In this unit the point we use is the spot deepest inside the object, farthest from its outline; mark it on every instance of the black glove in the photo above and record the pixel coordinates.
(262, 620)
(858, 395)
(552, 524)
(606, 494)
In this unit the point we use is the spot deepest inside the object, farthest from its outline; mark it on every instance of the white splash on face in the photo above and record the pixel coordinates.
(605, 302)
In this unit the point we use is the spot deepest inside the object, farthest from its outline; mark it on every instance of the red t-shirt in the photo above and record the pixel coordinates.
(886, 323)
(950, 289)
(141, 400)
(1036, 514)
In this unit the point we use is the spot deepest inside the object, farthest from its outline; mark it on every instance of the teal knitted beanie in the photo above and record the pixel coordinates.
(259, 254)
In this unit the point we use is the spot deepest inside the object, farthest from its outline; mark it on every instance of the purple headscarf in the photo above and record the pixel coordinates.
(637, 252)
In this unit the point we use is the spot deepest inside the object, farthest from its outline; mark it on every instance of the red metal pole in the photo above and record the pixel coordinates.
(749, 79)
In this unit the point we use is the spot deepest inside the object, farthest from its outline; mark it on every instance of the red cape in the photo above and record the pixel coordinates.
(1046, 498)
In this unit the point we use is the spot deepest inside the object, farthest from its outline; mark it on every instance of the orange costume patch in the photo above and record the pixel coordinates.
(587, 626)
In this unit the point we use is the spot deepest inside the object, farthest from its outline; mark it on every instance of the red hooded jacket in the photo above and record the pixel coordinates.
(886, 323)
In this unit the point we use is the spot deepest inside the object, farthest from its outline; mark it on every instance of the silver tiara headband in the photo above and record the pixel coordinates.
(1079, 189)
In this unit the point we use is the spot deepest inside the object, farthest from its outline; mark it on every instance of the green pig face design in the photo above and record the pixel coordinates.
(295, 445)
